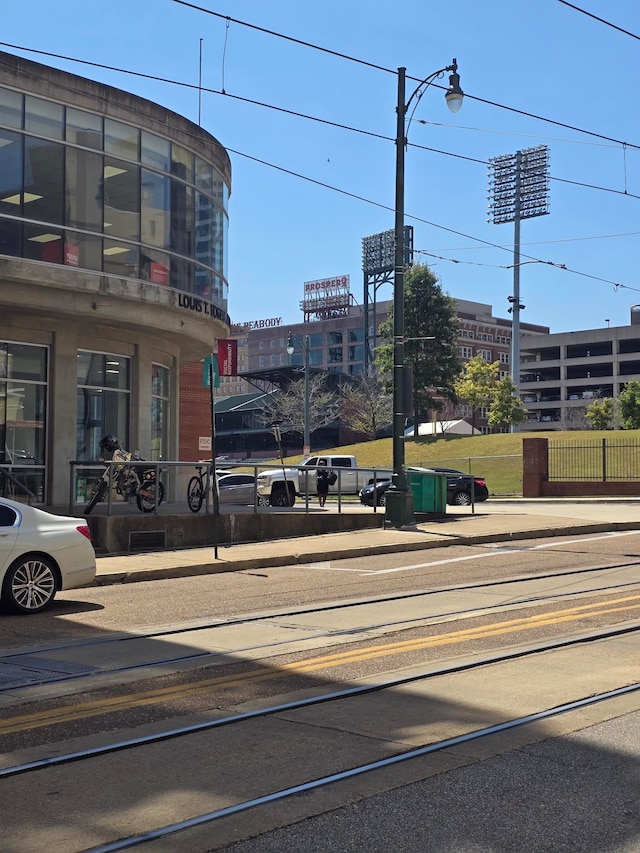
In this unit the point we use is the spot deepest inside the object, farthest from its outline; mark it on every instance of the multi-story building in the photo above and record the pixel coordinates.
(113, 235)
(335, 345)
(562, 373)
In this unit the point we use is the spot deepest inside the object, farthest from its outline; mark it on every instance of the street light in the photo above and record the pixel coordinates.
(399, 507)
(306, 450)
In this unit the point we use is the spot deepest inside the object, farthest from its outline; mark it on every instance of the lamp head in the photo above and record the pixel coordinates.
(290, 346)
(454, 93)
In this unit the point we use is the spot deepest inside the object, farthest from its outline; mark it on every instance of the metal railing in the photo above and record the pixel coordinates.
(83, 474)
(601, 460)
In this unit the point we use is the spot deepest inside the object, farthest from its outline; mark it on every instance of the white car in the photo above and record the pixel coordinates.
(41, 553)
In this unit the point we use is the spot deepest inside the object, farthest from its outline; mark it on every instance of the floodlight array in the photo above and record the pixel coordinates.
(379, 251)
(519, 185)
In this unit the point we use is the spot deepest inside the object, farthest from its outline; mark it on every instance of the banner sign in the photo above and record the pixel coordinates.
(228, 357)
(209, 362)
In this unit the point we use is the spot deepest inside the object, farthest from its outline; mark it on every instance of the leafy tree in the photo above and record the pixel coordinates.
(366, 405)
(428, 313)
(478, 383)
(629, 405)
(286, 408)
(600, 413)
(506, 407)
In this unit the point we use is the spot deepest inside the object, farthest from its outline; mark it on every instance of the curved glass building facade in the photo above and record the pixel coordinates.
(113, 269)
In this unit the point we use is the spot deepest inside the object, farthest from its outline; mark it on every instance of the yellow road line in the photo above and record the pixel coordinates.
(113, 704)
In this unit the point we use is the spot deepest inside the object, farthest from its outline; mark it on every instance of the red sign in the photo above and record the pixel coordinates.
(158, 273)
(228, 357)
(71, 255)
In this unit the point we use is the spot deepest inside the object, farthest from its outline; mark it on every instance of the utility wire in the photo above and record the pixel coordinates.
(601, 20)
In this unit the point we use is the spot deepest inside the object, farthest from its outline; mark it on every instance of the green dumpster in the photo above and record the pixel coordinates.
(429, 490)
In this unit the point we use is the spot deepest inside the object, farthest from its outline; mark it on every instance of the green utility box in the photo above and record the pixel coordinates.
(429, 490)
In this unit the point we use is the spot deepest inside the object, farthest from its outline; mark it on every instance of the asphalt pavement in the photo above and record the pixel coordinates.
(494, 521)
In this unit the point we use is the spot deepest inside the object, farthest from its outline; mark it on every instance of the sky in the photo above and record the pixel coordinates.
(313, 177)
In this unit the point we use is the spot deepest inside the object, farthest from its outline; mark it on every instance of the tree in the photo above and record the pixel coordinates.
(506, 407)
(478, 383)
(286, 408)
(600, 413)
(629, 405)
(366, 405)
(428, 313)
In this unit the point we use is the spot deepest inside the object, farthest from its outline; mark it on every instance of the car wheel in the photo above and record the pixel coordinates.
(382, 499)
(29, 585)
(461, 498)
(262, 501)
(280, 498)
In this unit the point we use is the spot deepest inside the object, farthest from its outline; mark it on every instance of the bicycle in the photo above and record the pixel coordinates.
(199, 486)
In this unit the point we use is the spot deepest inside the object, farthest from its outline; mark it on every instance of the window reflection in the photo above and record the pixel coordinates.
(156, 209)
(120, 139)
(121, 199)
(43, 185)
(43, 117)
(43, 244)
(10, 108)
(84, 176)
(84, 128)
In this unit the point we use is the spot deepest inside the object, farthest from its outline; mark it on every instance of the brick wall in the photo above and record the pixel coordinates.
(195, 412)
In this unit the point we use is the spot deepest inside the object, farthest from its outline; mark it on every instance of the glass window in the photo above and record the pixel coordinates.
(120, 259)
(315, 340)
(155, 151)
(356, 353)
(205, 228)
(334, 338)
(10, 173)
(181, 163)
(335, 354)
(84, 175)
(103, 401)
(121, 199)
(204, 175)
(43, 195)
(23, 362)
(10, 108)
(84, 128)
(356, 334)
(10, 237)
(43, 117)
(43, 244)
(81, 250)
(204, 283)
(181, 275)
(155, 209)
(120, 139)
(315, 356)
(182, 215)
(154, 266)
(159, 411)
(23, 412)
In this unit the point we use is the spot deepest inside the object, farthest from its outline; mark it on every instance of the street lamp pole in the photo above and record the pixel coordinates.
(399, 506)
(290, 350)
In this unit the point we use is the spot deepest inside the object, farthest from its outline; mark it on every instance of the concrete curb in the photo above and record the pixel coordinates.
(314, 556)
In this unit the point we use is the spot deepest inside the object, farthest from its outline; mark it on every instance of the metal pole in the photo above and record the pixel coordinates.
(399, 507)
(515, 303)
(307, 443)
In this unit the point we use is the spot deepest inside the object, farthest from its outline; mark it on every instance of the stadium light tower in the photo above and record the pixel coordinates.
(518, 189)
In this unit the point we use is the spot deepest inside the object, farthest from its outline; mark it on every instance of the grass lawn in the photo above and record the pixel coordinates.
(498, 458)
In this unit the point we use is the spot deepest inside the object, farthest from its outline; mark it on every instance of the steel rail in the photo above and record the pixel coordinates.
(158, 737)
(211, 656)
(323, 781)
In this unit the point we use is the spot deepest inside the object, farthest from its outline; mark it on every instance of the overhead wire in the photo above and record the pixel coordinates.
(347, 127)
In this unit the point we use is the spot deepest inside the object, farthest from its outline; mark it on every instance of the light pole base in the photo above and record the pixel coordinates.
(399, 509)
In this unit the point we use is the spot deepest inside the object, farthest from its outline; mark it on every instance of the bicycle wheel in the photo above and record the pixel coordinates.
(146, 497)
(97, 494)
(195, 494)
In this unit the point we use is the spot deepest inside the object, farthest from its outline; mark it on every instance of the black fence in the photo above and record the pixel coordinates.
(601, 460)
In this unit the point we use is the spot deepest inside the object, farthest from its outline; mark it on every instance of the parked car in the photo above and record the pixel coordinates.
(238, 489)
(459, 486)
(41, 553)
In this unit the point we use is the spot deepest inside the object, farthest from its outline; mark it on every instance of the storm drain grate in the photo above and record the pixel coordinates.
(152, 540)
(33, 670)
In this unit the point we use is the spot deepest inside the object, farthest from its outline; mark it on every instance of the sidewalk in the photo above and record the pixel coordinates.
(494, 521)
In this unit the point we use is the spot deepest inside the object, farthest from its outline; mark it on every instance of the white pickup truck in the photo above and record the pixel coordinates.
(281, 486)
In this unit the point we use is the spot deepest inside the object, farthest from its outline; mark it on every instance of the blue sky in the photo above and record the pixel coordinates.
(543, 58)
